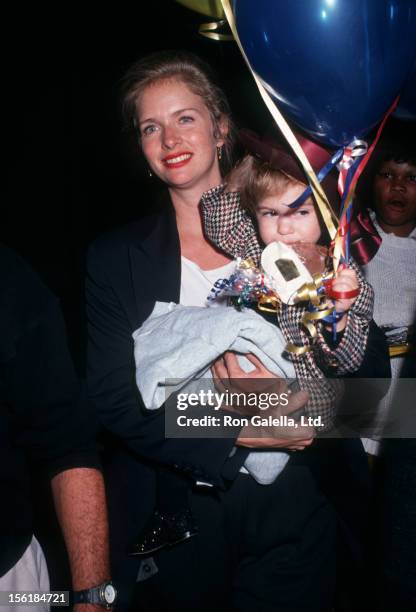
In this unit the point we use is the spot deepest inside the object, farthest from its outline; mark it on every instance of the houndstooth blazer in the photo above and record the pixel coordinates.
(231, 228)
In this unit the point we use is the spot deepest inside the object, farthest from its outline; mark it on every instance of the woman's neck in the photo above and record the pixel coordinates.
(194, 245)
(189, 221)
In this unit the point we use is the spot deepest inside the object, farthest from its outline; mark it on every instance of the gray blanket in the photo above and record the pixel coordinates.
(181, 342)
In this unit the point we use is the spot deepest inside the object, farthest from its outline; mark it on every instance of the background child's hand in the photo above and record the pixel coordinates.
(345, 280)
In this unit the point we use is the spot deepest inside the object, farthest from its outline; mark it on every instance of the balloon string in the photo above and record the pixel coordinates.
(324, 206)
(341, 244)
(323, 172)
(344, 223)
(367, 156)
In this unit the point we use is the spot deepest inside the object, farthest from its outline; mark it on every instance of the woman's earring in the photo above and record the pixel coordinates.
(149, 172)
(219, 152)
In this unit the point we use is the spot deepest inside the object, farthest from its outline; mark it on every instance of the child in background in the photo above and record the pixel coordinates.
(384, 243)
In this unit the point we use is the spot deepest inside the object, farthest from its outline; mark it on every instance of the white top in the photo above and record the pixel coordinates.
(196, 283)
(392, 273)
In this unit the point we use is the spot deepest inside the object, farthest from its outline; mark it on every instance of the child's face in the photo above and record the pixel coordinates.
(395, 197)
(277, 222)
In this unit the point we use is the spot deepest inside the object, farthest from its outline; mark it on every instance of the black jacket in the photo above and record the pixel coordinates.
(128, 271)
(43, 413)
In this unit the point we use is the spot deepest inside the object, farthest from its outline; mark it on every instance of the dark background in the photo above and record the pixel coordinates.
(71, 171)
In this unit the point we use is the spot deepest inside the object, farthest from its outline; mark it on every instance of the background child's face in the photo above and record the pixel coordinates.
(395, 195)
(277, 222)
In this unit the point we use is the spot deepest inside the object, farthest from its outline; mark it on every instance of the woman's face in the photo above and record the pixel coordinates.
(178, 136)
(277, 222)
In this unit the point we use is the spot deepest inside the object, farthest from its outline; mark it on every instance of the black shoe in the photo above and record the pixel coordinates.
(164, 530)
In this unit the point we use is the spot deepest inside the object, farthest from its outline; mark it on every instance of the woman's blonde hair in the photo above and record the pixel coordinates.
(196, 74)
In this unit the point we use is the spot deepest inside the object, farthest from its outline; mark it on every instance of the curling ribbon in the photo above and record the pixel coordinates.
(357, 148)
(347, 167)
(338, 246)
(307, 321)
(364, 238)
(369, 152)
(210, 30)
(344, 224)
(399, 350)
(311, 292)
(247, 264)
(328, 215)
(323, 172)
(342, 295)
(297, 350)
(268, 303)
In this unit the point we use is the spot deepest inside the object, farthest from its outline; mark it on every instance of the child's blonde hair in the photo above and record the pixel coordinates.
(256, 179)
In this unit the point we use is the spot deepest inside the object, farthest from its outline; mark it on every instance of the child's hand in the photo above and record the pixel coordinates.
(345, 280)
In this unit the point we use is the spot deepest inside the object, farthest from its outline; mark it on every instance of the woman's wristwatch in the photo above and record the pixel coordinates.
(104, 594)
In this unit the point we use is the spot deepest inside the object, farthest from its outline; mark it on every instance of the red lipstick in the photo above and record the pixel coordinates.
(177, 160)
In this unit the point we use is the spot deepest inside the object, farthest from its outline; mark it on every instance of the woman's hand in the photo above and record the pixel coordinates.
(275, 443)
(227, 366)
(229, 376)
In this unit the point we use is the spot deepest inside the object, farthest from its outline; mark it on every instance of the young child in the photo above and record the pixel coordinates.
(384, 243)
(252, 210)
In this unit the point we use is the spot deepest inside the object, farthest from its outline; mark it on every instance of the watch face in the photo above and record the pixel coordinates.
(109, 594)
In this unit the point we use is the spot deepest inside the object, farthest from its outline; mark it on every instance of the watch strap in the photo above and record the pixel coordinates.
(93, 595)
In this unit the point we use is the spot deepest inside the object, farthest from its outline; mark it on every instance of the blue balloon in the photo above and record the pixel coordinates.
(333, 66)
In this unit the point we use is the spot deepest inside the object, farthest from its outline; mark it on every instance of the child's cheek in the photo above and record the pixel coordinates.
(266, 231)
